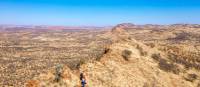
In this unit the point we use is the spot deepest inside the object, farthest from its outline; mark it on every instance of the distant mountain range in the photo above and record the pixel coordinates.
(50, 27)
(125, 25)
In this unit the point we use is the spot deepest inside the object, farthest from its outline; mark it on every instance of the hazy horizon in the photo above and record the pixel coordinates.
(98, 12)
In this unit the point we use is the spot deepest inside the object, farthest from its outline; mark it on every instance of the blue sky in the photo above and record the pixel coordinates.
(98, 12)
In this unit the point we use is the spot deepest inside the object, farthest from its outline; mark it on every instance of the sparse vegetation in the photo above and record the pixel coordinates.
(98, 53)
(25, 53)
(168, 66)
(188, 59)
(142, 52)
(126, 54)
(58, 73)
(156, 57)
(151, 45)
(106, 50)
(81, 62)
(191, 77)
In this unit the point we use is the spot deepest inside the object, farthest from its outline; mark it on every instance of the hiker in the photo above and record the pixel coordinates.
(83, 80)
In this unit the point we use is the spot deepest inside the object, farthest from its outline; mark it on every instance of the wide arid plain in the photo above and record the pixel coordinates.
(125, 55)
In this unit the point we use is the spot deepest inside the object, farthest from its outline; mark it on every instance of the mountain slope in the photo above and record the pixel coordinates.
(126, 63)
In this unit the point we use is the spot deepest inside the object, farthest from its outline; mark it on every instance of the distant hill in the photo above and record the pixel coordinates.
(48, 27)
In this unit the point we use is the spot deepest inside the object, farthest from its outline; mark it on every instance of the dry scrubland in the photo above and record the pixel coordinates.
(181, 43)
(126, 56)
(24, 53)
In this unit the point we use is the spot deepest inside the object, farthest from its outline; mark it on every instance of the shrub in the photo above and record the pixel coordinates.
(189, 61)
(169, 67)
(173, 57)
(106, 50)
(165, 65)
(142, 52)
(58, 73)
(129, 38)
(81, 62)
(126, 54)
(156, 56)
(98, 53)
(191, 77)
(152, 45)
